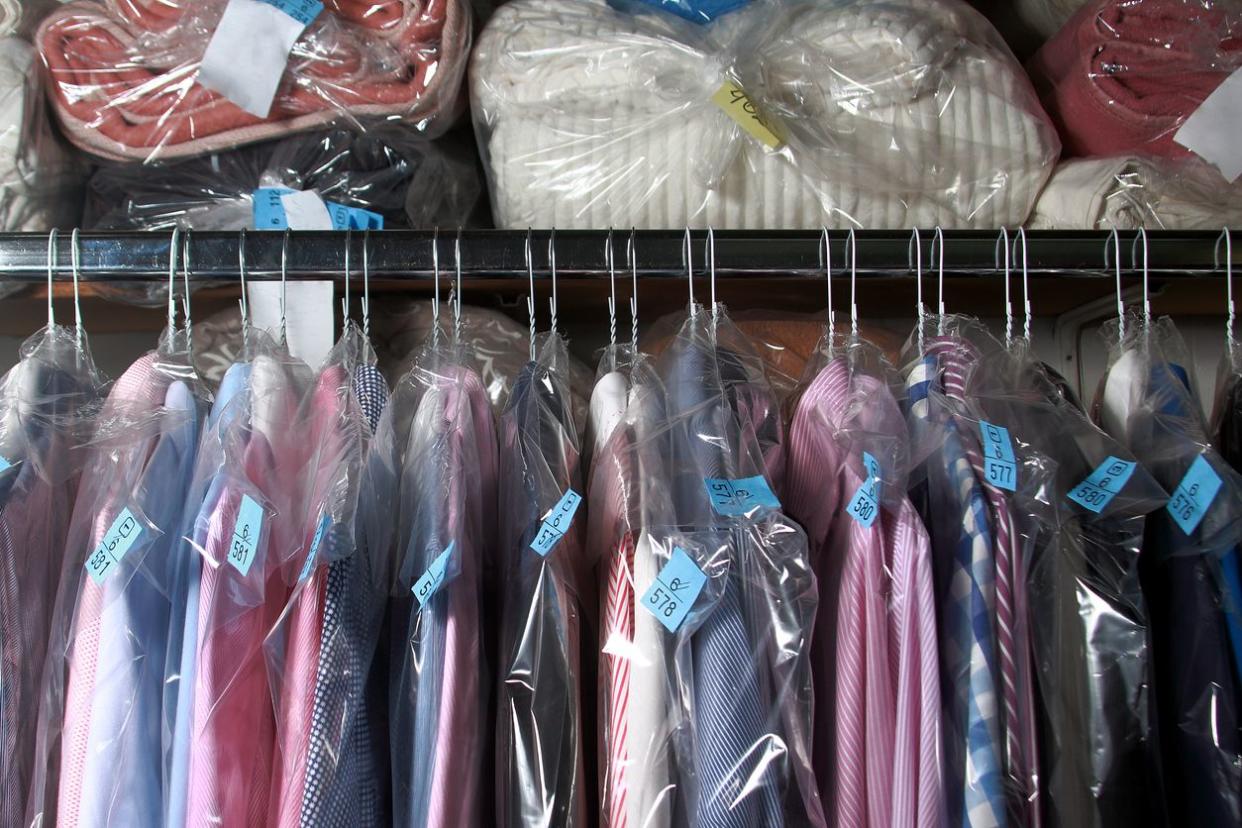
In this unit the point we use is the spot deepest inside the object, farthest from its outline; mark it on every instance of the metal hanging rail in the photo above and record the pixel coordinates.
(397, 255)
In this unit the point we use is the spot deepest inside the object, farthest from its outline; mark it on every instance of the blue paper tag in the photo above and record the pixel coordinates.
(675, 589)
(246, 533)
(303, 11)
(121, 537)
(1194, 495)
(1000, 467)
(1103, 484)
(865, 505)
(316, 542)
(353, 218)
(5, 465)
(556, 524)
(734, 498)
(696, 11)
(431, 581)
(269, 212)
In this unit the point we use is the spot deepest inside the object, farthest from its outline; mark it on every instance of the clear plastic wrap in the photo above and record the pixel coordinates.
(1086, 612)
(544, 720)
(1129, 192)
(1226, 428)
(48, 403)
(715, 727)
(247, 534)
(320, 651)
(440, 477)
(874, 651)
(1189, 571)
(41, 183)
(124, 73)
(974, 485)
(778, 115)
(410, 181)
(1122, 76)
(101, 715)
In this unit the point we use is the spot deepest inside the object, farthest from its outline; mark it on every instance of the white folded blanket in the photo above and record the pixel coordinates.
(898, 113)
(10, 16)
(41, 185)
(1129, 192)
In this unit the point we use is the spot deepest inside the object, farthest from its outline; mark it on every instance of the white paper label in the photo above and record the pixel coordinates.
(309, 320)
(1211, 130)
(305, 210)
(248, 53)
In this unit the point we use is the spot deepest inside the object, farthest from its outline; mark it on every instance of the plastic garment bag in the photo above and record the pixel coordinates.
(973, 512)
(440, 473)
(541, 723)
(101, 720)
(874, 652)
(729, 580)
(1226, 428)
(248, 533)
(1189, 571)
(48, 403)
(1087, 615)
(320, 650)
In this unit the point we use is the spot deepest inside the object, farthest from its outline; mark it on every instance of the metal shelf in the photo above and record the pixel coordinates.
(396, 256)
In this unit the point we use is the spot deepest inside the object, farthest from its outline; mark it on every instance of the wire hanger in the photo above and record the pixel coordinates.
(530, 299)
(455, 296)
(52, 237)
(1227, 237)
(631, 253)
(612, 299)
(75, 251)
(174, 248)
(938, 254)
(1002, 242)
(366, 284)
(552, 271)
(1020, 241)
(687, 258)
(914, 260)
(825, 252)
(349, 242)
(1142, 237)
(435, 278)
(711, 272)
(243, 302)
(284, 284)
(1114, 241)
(852, 246)
(185, 304)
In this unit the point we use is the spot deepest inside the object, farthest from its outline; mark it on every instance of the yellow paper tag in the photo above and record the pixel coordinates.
(737, 105)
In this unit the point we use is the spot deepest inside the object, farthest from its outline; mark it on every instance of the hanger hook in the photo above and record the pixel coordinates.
(631, 253)
(185, 272)
(366, 284)
(1002, 243)
(938, 246)
(1227, 237)
(687, 259)
(1142, 237)
(75, 251)
(825, 253)
(914, 260)
(711, 270)
(552, 271)
(851, 242)
(52, 237)
(349, 243)
(1020, 240)
(456, 297)
(435, 303)
(284, 283)
(530, 299)
(611, 261)
(241, 269)
(1114, 242)
(173, 249)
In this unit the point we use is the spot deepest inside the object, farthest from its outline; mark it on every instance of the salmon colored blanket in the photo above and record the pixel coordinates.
(123, 73)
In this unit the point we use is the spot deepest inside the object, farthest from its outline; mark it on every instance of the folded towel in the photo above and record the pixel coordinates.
(1129, 192)
(1123, 75)
(40, 183)
(123, 73)
(908, 112)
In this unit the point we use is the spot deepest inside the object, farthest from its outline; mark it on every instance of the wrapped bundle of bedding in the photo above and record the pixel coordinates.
(126, 75)
(776, 115)
(40, 182)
